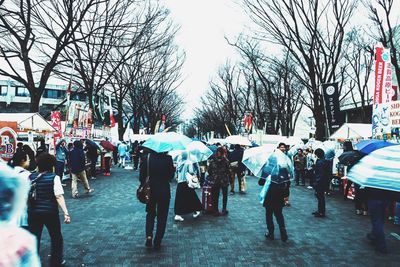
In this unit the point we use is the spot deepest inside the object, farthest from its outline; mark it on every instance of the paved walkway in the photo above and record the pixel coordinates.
(107, 229)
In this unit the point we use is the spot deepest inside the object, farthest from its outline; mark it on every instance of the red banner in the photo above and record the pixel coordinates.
(56, 123)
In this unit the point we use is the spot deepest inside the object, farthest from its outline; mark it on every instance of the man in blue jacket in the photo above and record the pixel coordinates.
(77, 163)
(322, 179)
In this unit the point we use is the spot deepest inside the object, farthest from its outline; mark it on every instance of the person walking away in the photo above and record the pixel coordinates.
(61, 155)
(77, 164)
(309, 171)
(237, 168)
(91, 152)
(17, 245)
(135, 154)
(44, 211)
(20, 163)
(378, 201)
(322, 174)
(42, 148)
(219, 179)
(300, 162)
(31, 155)
(122, 154)
(161, 172)
(360, 200)
(107, 162)
(186, 200)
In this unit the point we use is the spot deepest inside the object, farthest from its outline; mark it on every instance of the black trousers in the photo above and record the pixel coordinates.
(299, 174)
(135, 162)
(157, 209)
(93, 167)
(275, 210)
(215, 196)
(320, 194)
(52, 222)
(107, 162)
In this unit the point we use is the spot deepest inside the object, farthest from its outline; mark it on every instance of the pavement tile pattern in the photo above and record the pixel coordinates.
(108, 229)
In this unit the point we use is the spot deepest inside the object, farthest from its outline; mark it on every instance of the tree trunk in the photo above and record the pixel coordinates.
(320, 132)
(35, 100)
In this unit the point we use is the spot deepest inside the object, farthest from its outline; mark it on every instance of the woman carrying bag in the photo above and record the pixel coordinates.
(186, 200)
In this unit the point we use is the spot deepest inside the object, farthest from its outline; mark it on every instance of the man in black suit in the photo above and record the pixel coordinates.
(161, 172)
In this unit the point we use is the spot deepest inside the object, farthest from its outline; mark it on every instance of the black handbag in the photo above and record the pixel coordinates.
(143, 192)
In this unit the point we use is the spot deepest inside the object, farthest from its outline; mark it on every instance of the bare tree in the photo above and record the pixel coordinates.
(387, 32)
(33, 35)
(313, 33)
(360, 60)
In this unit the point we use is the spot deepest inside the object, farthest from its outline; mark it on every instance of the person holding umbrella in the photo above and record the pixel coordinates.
(278, 170)
(186, 200)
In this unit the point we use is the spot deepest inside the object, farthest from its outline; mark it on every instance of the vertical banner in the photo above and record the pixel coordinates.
(248, 122)
(332, 109)
(383, 92)
(162, 125)
(56, 124)
(395, 114)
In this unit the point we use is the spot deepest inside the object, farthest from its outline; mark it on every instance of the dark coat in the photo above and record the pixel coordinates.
(237, 155)
(218, 171)
(162, 171)
(323, 173)
(276, 193)
(76, 157)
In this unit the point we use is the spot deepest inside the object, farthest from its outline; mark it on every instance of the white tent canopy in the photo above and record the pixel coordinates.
(28, 121)
(353, 131)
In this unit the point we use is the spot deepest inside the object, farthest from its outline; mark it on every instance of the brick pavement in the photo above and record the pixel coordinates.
(107, 229)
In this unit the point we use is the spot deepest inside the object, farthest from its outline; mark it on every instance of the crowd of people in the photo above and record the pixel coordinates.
(219, 172)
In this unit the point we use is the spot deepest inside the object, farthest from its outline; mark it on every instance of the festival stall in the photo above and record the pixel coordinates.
(352, 131)
(30, 127)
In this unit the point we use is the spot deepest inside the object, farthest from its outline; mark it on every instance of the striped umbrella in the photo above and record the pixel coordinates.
(380, 169)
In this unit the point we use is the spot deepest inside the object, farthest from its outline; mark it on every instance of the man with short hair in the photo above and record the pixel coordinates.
(78, 165)
(299, 166)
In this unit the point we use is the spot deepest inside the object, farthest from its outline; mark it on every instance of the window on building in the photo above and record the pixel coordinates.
(3, 90)
(21, 91)
(54, 94)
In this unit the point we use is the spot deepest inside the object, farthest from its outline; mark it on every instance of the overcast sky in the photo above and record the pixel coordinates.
(203, 27)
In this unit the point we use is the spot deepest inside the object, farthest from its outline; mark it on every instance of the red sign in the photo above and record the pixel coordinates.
(8, 143)
(395, 93)
(56, 123)
(248, 121)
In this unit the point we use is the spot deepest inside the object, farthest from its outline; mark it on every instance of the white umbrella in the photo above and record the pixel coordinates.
(238, 140)
(254, 158)
(196, 150)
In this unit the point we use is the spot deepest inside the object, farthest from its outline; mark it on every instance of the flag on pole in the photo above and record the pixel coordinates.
(112, 119)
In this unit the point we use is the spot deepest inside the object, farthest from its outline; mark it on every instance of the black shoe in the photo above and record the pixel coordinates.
(371, 239)
(315, 213)
(157, 246)
(284, 237)
(232, 192)
(149, 242)
(319, 215)
(270, 236)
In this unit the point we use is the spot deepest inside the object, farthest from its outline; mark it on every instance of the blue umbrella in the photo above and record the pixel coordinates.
(380, 169)
(368, 146)
(164, 142)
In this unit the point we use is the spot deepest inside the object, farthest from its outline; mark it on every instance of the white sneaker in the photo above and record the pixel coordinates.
(179, 218)
(196, 214)
(309, 187)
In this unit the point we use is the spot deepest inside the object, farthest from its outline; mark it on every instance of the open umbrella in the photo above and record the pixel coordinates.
(279, 166)
(368, 146)
(380, 169)
(349, 158)
(164, 142)
(92, 143)
(255, 158)
(196, 150)
(237, 140)
(107, 145)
